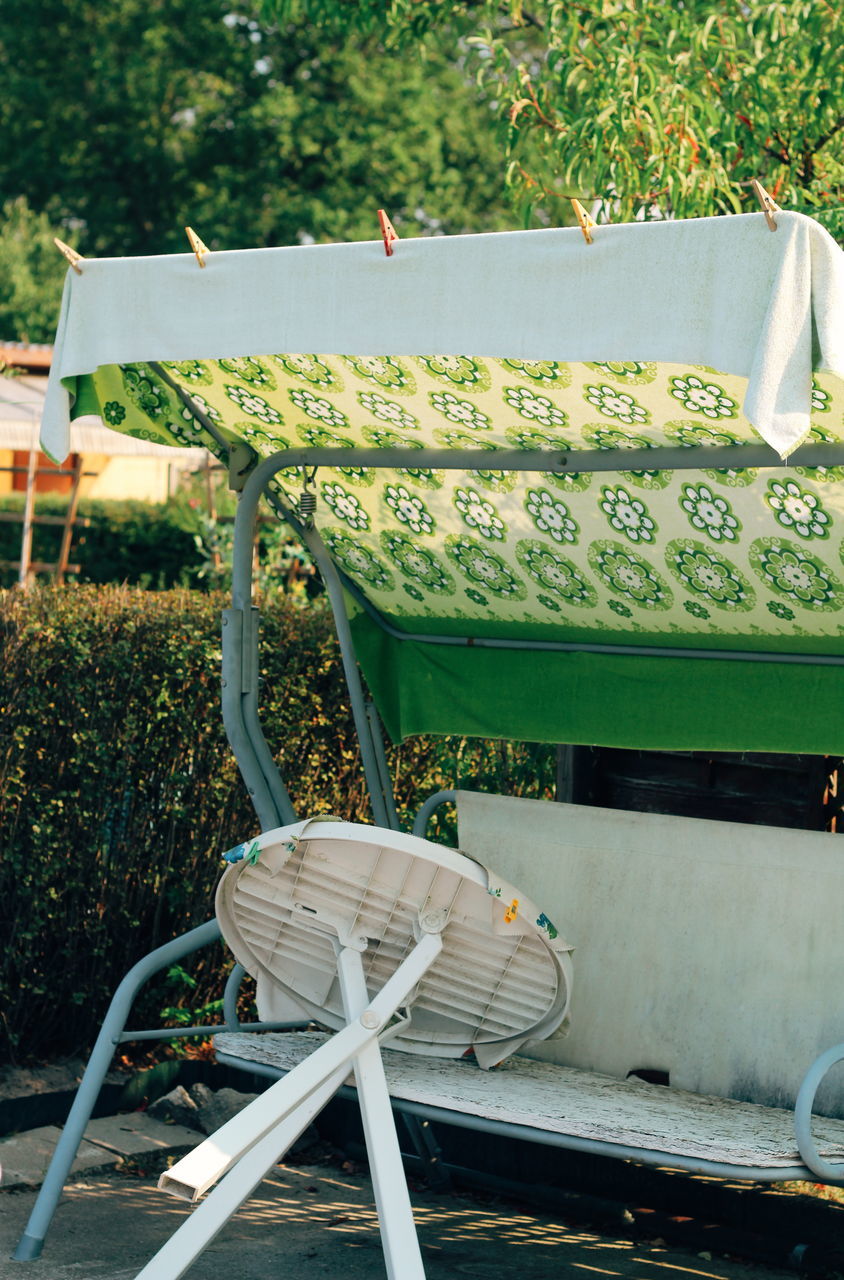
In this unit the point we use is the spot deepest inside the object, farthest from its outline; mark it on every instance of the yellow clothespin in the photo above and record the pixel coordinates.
(198, 247)
(768, 203)
(72, 256)
(512, 911)
(584, 219)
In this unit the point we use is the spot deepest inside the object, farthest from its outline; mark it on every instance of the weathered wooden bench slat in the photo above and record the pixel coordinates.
(574, 1104)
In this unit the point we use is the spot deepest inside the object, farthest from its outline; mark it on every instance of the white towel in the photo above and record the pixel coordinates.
(722, 292)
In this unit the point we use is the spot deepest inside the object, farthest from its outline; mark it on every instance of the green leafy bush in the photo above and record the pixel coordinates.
(141, 543)
(118, 791)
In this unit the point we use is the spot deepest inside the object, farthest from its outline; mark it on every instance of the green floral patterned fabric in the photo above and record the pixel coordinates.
(722, 558)
(736, 559)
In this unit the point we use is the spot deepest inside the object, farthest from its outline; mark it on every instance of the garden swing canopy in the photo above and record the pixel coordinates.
(550, 473)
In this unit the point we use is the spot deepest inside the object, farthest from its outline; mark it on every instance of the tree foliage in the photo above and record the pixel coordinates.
(648, 108)
(31, 273)
(121, 123)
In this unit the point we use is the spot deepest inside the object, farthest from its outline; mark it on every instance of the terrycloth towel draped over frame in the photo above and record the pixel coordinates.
(722, 292)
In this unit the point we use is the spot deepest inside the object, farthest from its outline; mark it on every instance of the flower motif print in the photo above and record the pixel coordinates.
(484, 568)
(250, 370)
(781, 611)
(529, 404)
(798, 509)
(322, 438)
(311, 369)
(388, 411)
(708, 575)
(495, 481)
(689, 435)
(621, 609)
(454, 438)
(707, 398)
(796, 575)
(627, 515)
(412, 591)
(549, 602)
(551, 516)
(821, 400)
(190, 370)
(460, 411)
(147, 394)
(386, 438)
(607, 438)
(114, 412)
(248, 402)
(188, 430)
(423, 477)
(422, 566)
(471, 375)
(695, 609)
(478, 514)
(358, 560)
(529, 438)
(387, 371)
(629, 575)
(547, 371)
(556, 574)
(709, 513)
(475, 596)
(345, 506)
(630, 371)
(264, 443)
(209, 410)
(316, 407)
(409, 509)
(616, 404)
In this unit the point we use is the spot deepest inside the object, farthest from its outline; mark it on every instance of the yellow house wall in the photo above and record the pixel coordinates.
(146, 479)
(6, 477)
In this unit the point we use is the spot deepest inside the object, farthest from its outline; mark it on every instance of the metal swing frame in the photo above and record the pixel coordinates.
(266, 788)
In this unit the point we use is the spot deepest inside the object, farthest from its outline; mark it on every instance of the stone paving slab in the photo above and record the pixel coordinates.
(24, 1156)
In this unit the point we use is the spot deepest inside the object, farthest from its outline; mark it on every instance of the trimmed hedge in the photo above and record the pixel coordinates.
(142, 543)
(118, 791)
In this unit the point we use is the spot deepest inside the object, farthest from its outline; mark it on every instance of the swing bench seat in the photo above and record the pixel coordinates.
(568, 1107)
(706, 956)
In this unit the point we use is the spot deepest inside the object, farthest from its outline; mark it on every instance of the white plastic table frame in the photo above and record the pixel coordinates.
(247, 1147)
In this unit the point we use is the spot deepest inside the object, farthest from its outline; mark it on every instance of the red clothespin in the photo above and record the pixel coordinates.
(388, 232)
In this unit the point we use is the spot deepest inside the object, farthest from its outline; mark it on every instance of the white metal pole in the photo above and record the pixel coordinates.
(402, 1255)
(202, 1167)
(209, 1218)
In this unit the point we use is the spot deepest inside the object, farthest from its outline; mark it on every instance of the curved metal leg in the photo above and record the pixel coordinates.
(32, 1240)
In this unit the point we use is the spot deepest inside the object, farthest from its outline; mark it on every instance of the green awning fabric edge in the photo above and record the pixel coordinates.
(668, 704)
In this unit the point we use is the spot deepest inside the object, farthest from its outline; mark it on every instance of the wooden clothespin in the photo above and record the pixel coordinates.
(200, 249)
(72, 256)
(388, 232)
(768, 203)
(585, 220)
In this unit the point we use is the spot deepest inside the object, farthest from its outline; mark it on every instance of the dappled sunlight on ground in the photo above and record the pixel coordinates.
(317, 1221)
